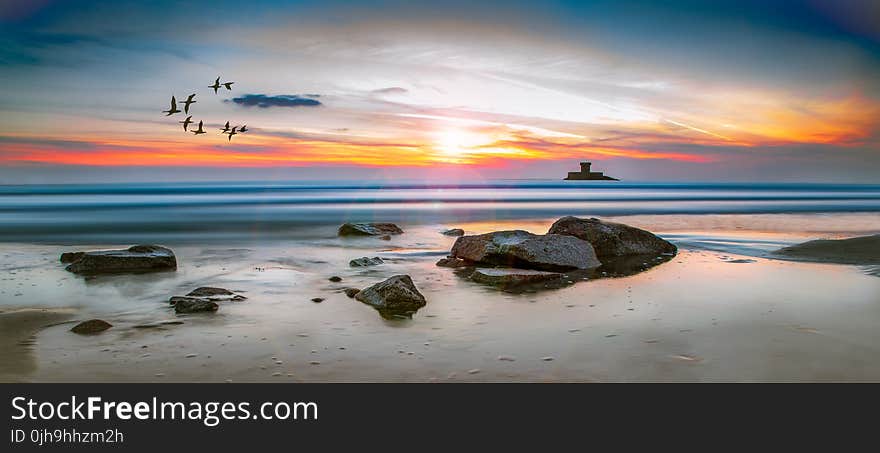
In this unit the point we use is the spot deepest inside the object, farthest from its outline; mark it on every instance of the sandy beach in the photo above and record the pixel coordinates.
(724, 309)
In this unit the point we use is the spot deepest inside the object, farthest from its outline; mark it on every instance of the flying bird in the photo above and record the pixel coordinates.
(243, 128)
(189, 100)
(186, 122)
(232, 132)
(173, 108)
(225, 128)
(199, 130)
(216, 85)
(228, 85)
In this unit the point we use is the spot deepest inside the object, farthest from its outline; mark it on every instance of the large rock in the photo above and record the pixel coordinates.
(369, 229)
(517, 248)
(864, 250)
(397, 294)
(91, 326)
(138, 258)
(505, 278)
(612, 239)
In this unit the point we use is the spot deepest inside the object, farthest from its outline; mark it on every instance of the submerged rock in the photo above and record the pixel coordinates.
(862, 250)
(91, 326)
(365, 261)
(211, 293)
(612, 239)
(183, 304)
(505, 278)
(454, 232)
(517, 248)
(396, 296)
(138, 258)
(351, 292)
(368, 229)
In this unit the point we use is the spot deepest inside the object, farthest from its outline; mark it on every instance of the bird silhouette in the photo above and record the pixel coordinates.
(189, 100)
(216, 85)
(199, 130)
(225, 128)
(232, 132)
(243, 128)
(173, 108)
(228, 85)
(186, 122)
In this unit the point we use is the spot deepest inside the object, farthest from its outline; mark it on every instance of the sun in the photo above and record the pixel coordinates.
(459, 142)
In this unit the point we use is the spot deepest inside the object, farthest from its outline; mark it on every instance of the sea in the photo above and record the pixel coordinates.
(231, 211)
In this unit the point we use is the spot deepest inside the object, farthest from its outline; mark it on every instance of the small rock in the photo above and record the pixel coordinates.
(317, 300)
(547, 359)
(368, 229)
(454, 232)
(351, 292)
(506, 358)
(474, 371)
(510, 277)
(454, 262)
(335, 279)
(385, 238)
(365, 261)
(397, 294)
(91, 326)
(193, 305)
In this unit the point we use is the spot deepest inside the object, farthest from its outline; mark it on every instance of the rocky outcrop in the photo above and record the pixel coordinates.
(454, 232)
(397, 295)
(91, 326)
(365, 261)
(521, 249)
(369, 229)
(506, 278)
(183, 304)
(138, 258)
(612, 239)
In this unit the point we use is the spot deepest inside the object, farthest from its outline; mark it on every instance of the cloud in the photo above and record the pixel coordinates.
(281, 100)
(391, 90)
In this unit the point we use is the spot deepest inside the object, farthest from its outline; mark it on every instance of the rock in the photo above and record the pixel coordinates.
(351, 292)
(454, 232)
(512, 277)
(385, 238)
(69, 257)
(317, 300)
(612, 239)
(864, 250)
(335, 279)
(211, 293)
(193, 304)
(138, 258)
(369, 229)
(453, 262)
(91, 326)
(397, 295)
(517, 248)
(365, 261)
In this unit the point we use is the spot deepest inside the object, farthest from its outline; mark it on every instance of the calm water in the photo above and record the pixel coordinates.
(202, 211)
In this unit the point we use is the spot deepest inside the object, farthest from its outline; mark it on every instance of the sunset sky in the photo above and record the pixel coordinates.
(731, 91)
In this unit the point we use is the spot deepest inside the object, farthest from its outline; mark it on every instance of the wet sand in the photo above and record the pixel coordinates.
(707, 315)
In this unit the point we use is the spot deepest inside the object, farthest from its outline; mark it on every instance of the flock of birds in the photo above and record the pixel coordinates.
(191, 100)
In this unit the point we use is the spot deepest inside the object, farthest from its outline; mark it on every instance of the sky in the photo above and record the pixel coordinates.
(681, 90)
